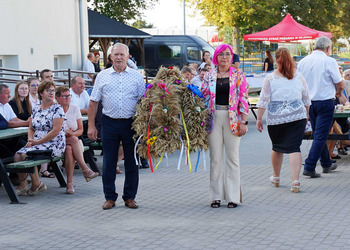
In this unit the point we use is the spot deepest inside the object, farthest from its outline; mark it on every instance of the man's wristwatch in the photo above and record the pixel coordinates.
(244, 122)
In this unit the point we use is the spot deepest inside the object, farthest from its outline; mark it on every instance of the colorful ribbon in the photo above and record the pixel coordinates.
(161, 158)
(199, 153)
(135, 149)
(148, 129)
(181, 152)
(188, 141)
(148, 86)
(162, 85)
(195, 90)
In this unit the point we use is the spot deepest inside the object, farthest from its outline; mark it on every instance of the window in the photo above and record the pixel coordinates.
(169, 52)
(193, 53)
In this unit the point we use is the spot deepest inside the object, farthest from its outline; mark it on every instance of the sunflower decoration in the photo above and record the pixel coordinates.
(157, 124)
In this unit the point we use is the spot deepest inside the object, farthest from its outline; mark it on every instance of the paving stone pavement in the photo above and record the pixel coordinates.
(175, 210)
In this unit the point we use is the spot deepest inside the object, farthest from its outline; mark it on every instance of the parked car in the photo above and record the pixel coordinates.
(170, 50)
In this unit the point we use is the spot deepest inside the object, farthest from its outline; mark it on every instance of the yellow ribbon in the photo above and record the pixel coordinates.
(188, 142)
(161, 158)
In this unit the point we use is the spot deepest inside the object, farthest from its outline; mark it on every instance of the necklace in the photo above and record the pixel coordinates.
(222, 74)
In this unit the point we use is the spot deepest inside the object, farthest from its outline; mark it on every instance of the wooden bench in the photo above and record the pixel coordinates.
(27, 166)
(330, 137)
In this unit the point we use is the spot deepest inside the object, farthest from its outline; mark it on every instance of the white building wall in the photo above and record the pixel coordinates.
(34, 32)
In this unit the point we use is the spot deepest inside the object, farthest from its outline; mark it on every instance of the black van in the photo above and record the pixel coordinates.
(171, 50)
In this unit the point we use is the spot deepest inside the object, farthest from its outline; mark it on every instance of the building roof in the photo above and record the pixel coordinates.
(287, 30)
(103, 26)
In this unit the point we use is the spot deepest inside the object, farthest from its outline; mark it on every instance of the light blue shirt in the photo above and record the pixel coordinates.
(119, 92)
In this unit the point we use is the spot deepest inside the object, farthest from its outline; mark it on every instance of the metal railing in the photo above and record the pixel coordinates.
(18, 75)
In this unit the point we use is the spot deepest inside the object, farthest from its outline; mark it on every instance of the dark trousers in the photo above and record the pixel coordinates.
(114, 131)
(321, 117)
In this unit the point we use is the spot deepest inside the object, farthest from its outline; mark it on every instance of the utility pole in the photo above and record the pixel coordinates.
(184, 17)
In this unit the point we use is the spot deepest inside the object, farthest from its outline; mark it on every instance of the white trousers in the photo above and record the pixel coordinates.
(225, 183)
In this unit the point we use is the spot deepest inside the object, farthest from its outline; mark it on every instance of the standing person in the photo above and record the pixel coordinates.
(109, 62)
(119, 88)
(45, 133)
(33, 91)
(97, 62)
(46, 75)
(206, 59)
(268, 63)
(285, 95)
(226, 97)
(20, 103)
(325, 83)
(89, 66)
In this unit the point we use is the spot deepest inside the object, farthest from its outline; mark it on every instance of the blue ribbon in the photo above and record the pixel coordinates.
(199, 153)
(195, 90)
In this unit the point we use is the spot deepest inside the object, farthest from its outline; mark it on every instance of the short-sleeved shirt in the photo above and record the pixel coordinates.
(269, 64)
(81, 101)
(196, 81)
(7, 112)
(72, 115)
(89, 67)
(119, 92)
(321, 73)
(235, 58)
(34, 102)
(284, 99)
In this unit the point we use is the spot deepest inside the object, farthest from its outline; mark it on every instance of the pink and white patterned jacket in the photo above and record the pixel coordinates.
(238, 99)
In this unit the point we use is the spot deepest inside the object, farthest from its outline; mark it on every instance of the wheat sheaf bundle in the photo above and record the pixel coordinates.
(162, 118)
(159, 120)
(195, 116)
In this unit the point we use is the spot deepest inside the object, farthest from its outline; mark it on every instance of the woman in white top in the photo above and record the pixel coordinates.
(33, 83)
(74, 128)
(206, 59)
(285, 94)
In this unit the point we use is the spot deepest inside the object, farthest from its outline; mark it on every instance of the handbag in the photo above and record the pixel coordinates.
(36, 155)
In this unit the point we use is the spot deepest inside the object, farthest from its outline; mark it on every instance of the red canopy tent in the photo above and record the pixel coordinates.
(287, 30)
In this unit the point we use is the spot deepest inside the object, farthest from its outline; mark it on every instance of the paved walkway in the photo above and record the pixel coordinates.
(174, 210)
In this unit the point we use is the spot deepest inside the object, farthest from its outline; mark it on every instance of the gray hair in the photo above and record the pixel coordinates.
(323, 43)
(121, 45)
(346, 71)
(2, 85)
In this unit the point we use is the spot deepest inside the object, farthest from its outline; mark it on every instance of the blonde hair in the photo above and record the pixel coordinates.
(17, 99)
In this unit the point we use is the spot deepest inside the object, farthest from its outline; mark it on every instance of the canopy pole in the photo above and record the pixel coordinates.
(243, 55)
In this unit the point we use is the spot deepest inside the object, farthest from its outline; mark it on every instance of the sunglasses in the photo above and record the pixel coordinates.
(34, 85)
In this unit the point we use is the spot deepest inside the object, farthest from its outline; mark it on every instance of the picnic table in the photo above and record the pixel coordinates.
(337, 114)
(28, 166)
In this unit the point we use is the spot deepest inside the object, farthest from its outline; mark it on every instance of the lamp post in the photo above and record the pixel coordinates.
(184, 17)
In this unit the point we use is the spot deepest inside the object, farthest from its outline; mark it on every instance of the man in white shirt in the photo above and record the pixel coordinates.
(79, 95)
(197, 80)
(6, 110)
(46, 75)
(89, 66)
(325, 83)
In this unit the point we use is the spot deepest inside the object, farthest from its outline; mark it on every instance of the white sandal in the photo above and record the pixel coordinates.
(275, 180)
(295, 187)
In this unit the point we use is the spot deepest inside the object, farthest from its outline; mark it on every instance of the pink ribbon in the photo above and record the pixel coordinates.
(162, 85)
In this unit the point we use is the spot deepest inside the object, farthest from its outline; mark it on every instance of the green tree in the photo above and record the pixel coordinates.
(139, 24)
(234, 16)
(122, 10)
